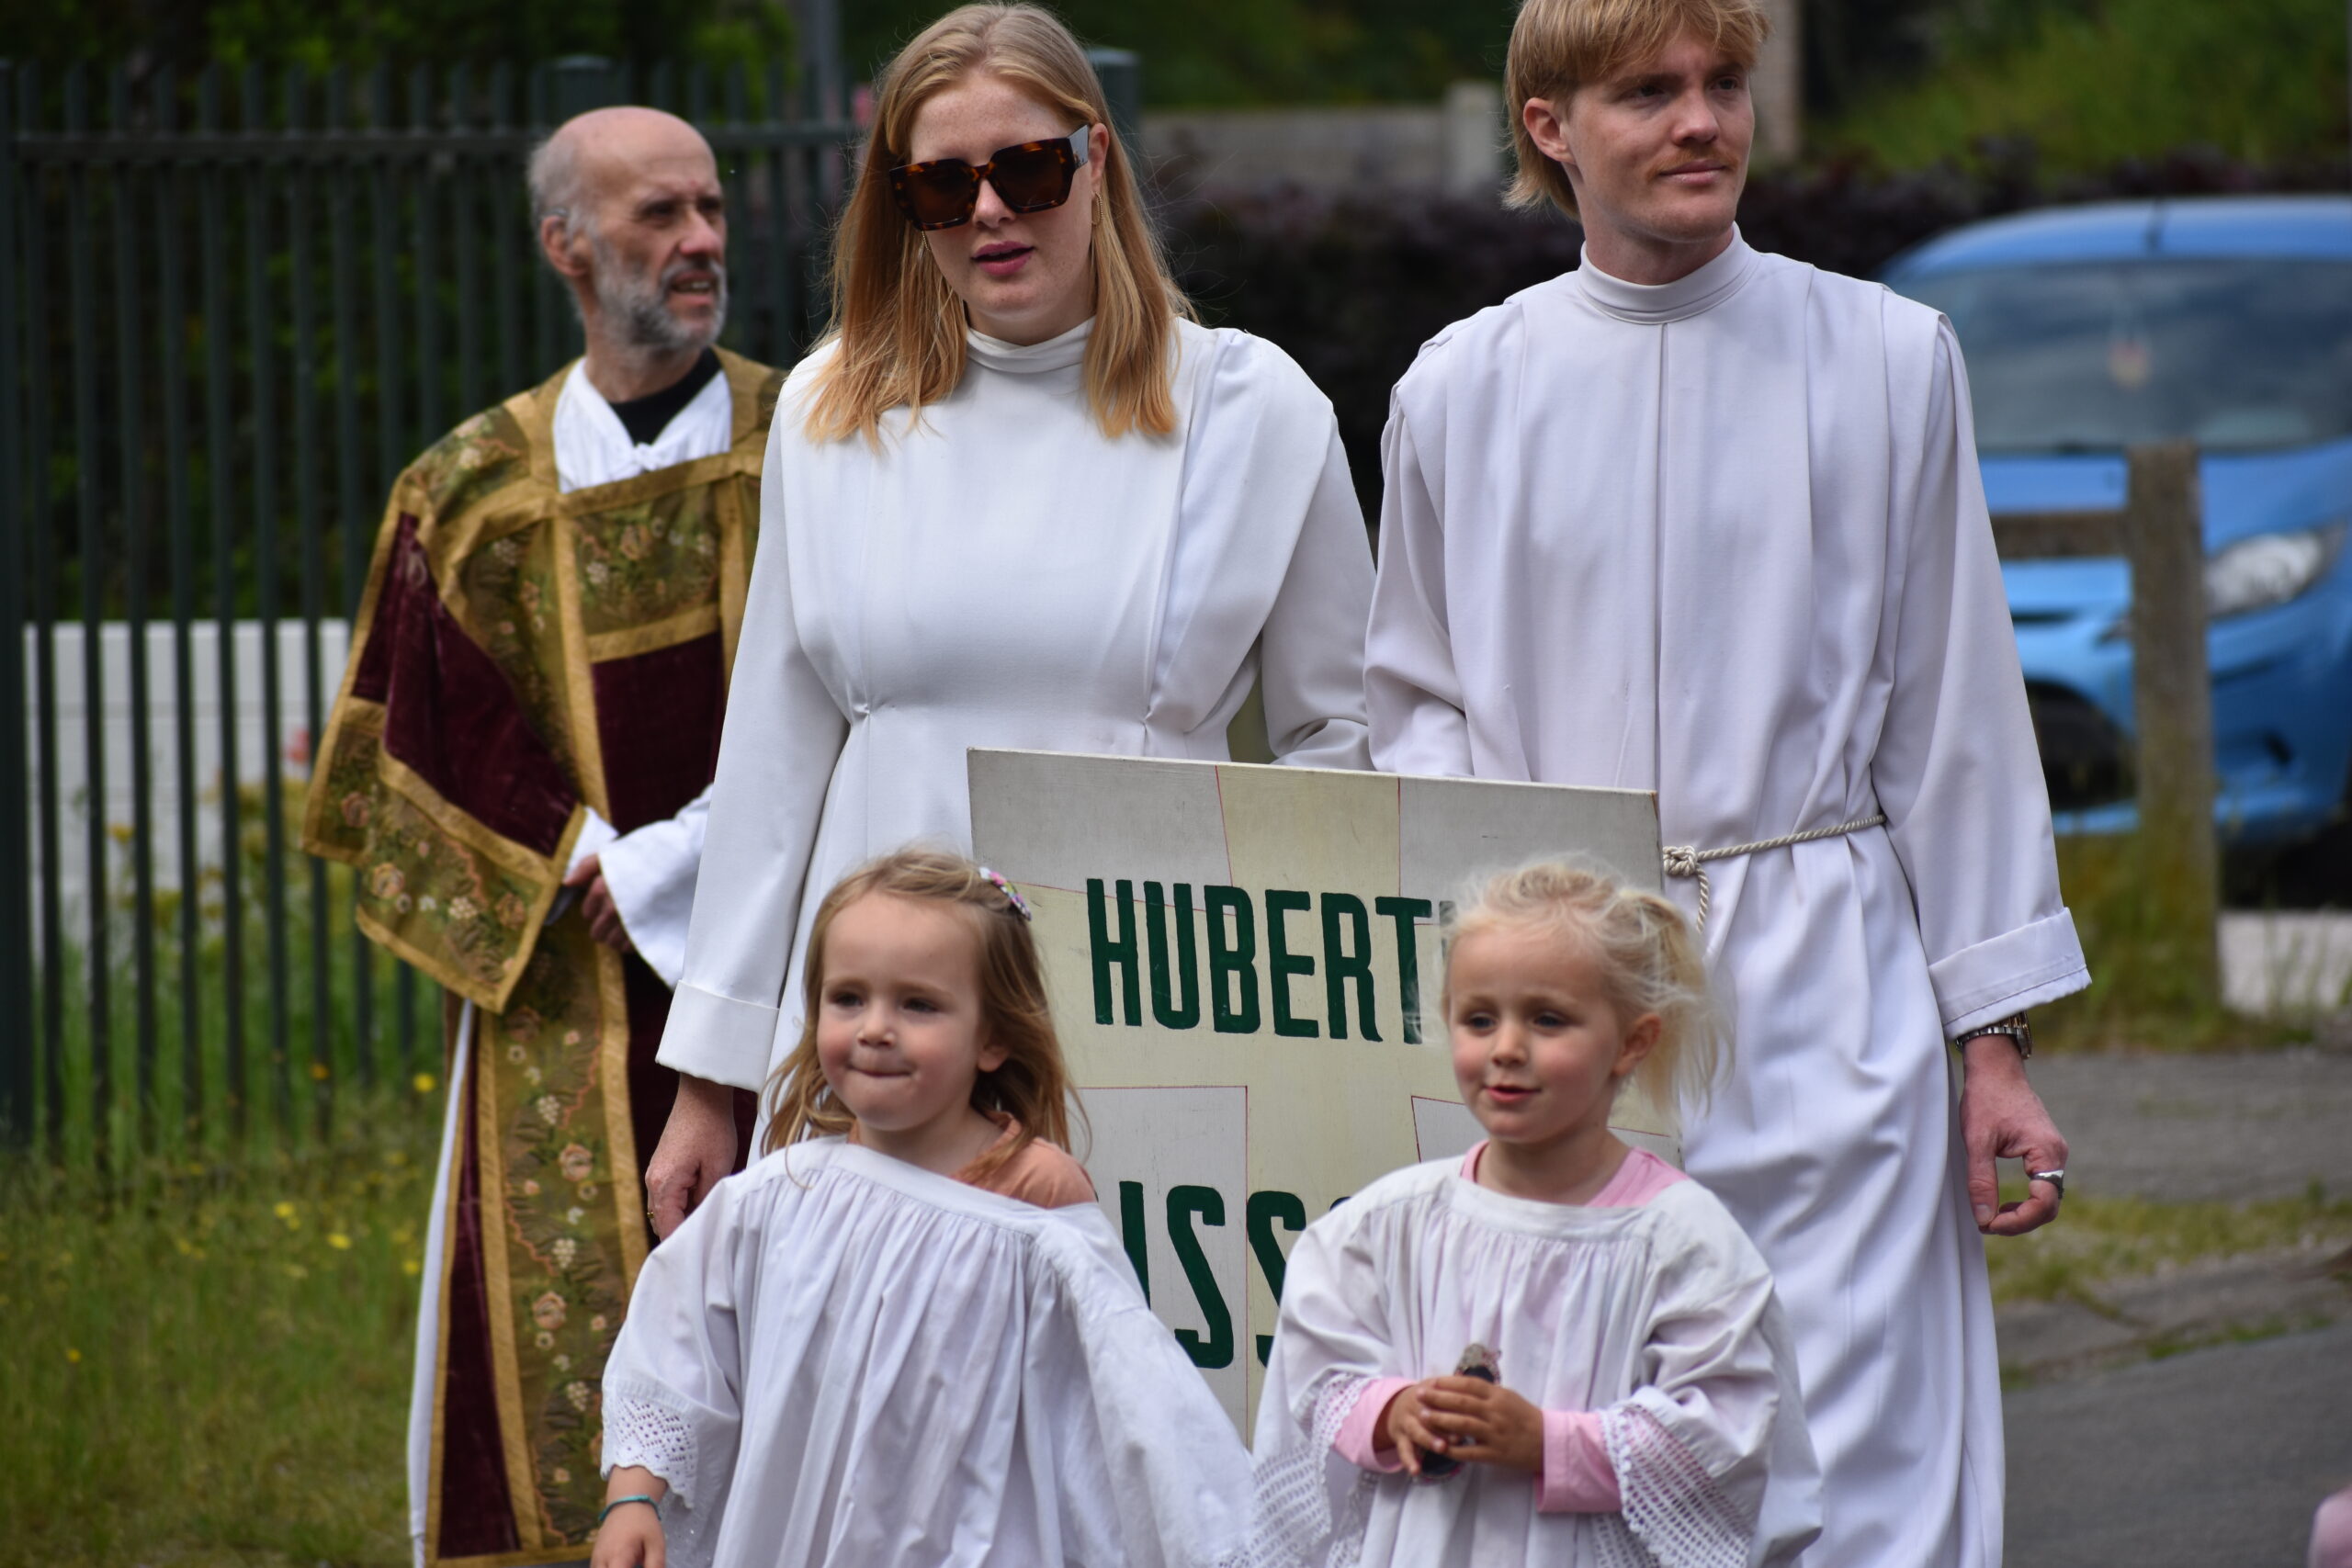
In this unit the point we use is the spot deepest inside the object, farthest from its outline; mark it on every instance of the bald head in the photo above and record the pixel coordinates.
(632, 217)
(593, 157)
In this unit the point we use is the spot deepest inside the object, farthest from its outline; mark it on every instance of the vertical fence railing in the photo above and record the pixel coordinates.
(232, 306)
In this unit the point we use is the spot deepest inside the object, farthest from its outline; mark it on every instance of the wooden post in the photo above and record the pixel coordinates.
(2172, 699)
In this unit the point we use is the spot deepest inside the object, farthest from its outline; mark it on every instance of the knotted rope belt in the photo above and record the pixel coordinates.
(1681, 860)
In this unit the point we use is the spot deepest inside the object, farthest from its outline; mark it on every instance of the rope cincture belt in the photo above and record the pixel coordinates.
(1681, 860)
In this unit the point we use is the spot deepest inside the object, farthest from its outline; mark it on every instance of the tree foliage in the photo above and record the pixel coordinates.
(1252, 50)
(321, 33)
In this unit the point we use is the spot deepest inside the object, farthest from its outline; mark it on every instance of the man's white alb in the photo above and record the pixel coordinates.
(1725, 539)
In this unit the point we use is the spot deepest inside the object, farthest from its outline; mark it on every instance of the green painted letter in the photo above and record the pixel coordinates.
(1264, 1209)
(1215, 1350)
(1404, 912)
(1338, 967)
(1186, 1014)
(1238, 958)
(1280, 964)
(1106, 953)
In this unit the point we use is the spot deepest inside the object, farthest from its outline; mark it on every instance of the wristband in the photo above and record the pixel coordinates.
(653, 1503)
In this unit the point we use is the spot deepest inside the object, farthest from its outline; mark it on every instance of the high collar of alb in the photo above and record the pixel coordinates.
(1654, 304)
(1029, 359)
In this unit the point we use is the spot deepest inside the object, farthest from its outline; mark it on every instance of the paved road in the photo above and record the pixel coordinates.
(2179, 1129)
(2210, 1459)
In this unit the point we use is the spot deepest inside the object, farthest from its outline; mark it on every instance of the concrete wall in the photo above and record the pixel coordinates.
(1459, 146)
(283, 742)
(1455, 146)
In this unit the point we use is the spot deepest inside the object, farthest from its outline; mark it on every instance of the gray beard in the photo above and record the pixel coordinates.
(641, 305)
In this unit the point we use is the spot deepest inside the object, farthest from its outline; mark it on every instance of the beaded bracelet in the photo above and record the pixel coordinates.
(653, 1503)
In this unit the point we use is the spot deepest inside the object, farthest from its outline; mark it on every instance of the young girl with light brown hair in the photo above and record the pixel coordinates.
(907, 1335)
(1017, 498)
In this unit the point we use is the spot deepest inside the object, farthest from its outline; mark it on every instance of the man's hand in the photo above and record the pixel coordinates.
(697, 1147)
(1468, 1418)
(2002, 1118)
(603, 915)
(630, 1536)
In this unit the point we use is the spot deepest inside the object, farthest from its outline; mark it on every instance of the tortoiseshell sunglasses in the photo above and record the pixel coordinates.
(1031, 178)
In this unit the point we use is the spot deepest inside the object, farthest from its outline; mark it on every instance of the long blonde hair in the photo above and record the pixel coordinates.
(898, 328)
(1648, 959)
(1032, 1085)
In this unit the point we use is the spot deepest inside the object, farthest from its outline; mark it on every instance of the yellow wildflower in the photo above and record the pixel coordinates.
(73, 1355)
(339, 1241)
(422, 1082)
(319, 1071)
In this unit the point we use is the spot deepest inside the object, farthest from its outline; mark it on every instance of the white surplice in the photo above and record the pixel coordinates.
(841, 1359)
(650, 873)
(1002, 574)
(1658, 1317)
(1726, 538)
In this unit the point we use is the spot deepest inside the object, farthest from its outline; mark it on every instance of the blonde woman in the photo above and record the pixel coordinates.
(1018, 497)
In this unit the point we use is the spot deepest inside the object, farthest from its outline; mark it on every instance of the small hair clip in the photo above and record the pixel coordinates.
(1020, 905)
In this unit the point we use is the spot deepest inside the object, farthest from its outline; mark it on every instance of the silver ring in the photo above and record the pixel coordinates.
(2055, 1178)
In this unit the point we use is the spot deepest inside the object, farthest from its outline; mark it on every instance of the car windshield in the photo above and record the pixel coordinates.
(2236, 354)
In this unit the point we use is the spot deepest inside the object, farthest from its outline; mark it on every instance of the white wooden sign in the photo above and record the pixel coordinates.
(1246, 969)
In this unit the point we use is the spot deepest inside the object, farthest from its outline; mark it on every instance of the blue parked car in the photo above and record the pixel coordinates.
(2225, 319)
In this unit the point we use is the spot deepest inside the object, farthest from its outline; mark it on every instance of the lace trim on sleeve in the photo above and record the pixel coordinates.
(1671, 1505)
(652, 1436)
(1299, 1519)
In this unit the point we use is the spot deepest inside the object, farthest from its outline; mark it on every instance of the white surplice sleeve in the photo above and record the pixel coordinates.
(1330, 1343)
(1714, 1463)
(1412, 693)
(650, 874)
(1269, 562)
(674, 1383)
(1956, 769)
(1311, 653)
(784, 734)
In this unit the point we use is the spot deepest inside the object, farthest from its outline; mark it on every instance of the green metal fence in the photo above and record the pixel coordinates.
(232, 308)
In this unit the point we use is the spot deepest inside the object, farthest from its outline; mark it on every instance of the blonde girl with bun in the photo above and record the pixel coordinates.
(1556, 1349)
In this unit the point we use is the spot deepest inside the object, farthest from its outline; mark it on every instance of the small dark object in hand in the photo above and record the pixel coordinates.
(1477, 1361)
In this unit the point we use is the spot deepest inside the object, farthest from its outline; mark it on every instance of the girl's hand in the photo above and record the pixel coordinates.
(630, 1536)
(1469, 1418)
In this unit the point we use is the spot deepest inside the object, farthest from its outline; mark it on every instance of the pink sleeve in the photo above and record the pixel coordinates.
(1354, 1440)
(1577, 1477)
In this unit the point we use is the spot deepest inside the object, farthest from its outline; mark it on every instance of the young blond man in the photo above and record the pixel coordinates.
(1700, 520)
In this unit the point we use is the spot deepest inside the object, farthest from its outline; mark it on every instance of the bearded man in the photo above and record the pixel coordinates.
(1704, 521)
(517, 766)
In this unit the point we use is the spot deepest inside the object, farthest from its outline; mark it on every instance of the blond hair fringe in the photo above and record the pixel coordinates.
(1558, 46)
(898, 328)
(1650, 962)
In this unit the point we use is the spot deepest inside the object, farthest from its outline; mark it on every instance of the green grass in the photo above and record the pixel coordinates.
(298, 1059)
(2146, 990)
(209, 1363)
(2113, 1238)
(2095, 84)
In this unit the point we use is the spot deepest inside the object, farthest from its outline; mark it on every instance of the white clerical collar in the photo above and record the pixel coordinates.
(1029, 359)
(593, 447)
(1654, 304)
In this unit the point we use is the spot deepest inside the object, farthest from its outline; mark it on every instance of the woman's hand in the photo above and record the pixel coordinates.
(630, 1536)
(1468, 1418)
